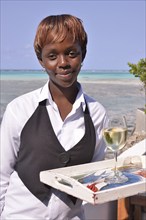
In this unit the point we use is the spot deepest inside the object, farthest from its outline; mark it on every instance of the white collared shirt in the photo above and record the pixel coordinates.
(16, 200)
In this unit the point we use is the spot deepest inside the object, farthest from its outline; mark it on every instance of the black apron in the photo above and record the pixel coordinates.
(41, 150)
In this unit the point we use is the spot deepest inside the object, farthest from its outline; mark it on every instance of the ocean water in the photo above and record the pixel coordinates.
(85, 75)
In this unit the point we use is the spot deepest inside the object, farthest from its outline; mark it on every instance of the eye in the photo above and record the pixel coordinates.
(73, 54)
(52, 56)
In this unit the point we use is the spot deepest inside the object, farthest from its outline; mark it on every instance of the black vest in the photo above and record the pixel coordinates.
(40, 150)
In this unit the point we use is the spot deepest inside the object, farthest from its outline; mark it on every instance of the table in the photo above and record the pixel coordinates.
(132, 208)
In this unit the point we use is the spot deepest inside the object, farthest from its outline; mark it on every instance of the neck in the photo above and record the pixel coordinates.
(61, 93)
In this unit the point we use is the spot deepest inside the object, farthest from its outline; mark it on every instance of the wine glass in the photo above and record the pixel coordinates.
(115, 135)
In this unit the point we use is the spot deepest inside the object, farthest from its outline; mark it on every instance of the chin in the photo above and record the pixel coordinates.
(69, 84)
(64, 84)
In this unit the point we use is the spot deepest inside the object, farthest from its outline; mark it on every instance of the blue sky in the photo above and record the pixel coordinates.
(116, 31)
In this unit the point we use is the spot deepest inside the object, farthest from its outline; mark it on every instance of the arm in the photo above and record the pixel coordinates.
(9, 149)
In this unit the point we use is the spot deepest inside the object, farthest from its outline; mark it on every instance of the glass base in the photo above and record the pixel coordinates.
(119, 177)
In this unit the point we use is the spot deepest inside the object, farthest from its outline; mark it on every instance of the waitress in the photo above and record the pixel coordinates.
(55, 126)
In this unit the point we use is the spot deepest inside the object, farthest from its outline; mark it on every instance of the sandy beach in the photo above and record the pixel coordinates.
(117, 96)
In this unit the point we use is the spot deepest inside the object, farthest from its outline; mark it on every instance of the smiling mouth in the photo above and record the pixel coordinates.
(65, 75)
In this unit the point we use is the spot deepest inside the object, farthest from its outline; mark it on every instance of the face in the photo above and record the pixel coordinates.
(62, 61)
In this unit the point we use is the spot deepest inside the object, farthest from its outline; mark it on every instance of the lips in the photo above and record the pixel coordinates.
(66, 75)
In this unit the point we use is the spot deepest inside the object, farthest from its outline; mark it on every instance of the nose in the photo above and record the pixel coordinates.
(63, 62)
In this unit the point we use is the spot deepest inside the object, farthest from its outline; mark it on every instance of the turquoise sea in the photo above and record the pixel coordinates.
(90, 75)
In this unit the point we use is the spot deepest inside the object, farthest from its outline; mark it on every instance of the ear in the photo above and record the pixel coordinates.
(42, 64)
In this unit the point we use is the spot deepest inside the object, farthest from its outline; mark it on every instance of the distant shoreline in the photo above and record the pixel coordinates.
(85, 76)
(91, 70)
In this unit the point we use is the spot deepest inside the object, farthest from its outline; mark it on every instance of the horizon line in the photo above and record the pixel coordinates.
(80, 70)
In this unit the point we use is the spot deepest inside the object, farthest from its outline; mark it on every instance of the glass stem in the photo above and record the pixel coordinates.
(115, 156)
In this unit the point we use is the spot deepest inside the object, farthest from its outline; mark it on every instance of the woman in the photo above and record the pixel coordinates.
(55, 126)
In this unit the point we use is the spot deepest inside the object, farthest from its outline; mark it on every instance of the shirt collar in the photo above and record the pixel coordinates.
(80, 100)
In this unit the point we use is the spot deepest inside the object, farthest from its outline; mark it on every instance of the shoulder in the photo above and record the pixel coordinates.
(26, 100)
(23, 106)
(97, 111)
(94, 105)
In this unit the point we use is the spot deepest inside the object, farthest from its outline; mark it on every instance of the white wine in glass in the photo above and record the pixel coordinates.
(115, 136)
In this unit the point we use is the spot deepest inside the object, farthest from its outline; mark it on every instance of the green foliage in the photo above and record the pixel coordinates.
(139, 70)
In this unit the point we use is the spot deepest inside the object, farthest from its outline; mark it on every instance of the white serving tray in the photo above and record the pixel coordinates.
(64, 180)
